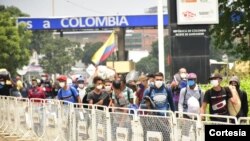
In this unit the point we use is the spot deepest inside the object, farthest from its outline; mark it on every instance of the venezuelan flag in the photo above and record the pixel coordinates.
(105, 50)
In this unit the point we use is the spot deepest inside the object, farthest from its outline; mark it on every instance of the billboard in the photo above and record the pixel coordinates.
(197, 12)
(95, 22)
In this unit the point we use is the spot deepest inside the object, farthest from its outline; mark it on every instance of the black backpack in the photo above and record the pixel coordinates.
(88, 90)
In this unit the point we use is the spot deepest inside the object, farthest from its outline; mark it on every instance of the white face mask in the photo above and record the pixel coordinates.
(80, 85)
(61, 84)
(43, 78)
(99, 87)
(2, 82)
(107, 88)
(214, 83)
(183, 75)
(158, 84)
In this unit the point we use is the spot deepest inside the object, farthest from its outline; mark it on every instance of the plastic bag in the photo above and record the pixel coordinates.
(193, 105)
(132, 75)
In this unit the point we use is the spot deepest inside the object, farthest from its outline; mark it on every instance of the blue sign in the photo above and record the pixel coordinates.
(91, 22)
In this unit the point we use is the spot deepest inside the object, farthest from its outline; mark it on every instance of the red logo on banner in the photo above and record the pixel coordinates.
(188, 14)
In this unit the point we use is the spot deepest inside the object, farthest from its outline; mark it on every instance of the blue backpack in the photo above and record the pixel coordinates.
(72, 94)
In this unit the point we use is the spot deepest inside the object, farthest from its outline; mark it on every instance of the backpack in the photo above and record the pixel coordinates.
(185, 104)
(153, 105)
(128, 97)
(72, 94)
(88, 90)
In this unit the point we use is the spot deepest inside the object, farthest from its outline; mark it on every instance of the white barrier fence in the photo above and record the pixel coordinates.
(54, 120)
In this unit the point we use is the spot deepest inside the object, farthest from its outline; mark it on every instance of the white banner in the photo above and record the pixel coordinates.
(197, 12)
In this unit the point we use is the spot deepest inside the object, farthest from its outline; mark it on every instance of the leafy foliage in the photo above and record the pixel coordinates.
(14, 40)
(147, 65)
(89, 51)
(39, 39)
(150, 64)
(59, 55)
(232, 32)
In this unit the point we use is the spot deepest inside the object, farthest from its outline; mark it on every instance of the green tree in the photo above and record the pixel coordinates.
(59, 55)
(14, 40)
(39, 39)
(232, 32)
(89, 51)
(150, 64)
(147, 65)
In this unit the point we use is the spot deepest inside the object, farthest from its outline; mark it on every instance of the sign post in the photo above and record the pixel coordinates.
(161, 59)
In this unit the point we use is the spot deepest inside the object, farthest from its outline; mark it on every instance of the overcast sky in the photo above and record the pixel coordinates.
(43, 8)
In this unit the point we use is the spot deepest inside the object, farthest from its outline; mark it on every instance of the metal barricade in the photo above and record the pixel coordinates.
(4, 113)
(38, 117)
(156, 125)
(188, 126)
(66, 121)
(12, 116)
(244, 120)
(208, 119)
(83, 129)
(99, 123)
(121, 124)
(52, 120)
(23, 117)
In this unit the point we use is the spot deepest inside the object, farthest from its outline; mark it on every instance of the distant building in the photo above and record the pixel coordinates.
(153, 10)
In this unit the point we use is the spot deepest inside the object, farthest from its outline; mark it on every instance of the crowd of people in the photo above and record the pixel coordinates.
(150, 91)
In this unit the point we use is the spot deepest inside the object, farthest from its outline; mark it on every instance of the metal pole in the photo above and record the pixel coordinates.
(53, 8)
(161, 59)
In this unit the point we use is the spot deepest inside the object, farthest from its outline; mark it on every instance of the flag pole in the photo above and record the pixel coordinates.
(113, 53)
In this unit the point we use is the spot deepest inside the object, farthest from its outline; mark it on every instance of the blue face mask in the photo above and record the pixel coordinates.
(191, 83)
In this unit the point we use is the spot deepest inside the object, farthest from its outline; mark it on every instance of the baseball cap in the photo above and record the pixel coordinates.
(215, 76)
(235, 79)
(80, 79)
(62, 78)
(192, 76)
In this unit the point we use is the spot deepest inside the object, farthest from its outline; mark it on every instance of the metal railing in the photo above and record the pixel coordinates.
(54, 120)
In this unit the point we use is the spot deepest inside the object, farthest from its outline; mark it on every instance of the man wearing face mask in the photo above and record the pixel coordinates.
(217, 98)
(66, 92)
(80, 87)
(108, 89)
(35, 91)
(46, 85)
(190, 101)
(4, 87)
(179, 82)
(191, 91)
(160, 96)
(98, 96)
(235, 81)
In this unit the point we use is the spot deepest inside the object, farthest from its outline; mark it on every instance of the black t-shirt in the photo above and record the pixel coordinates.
(5, 90)
(217, 100)
(97, 97)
